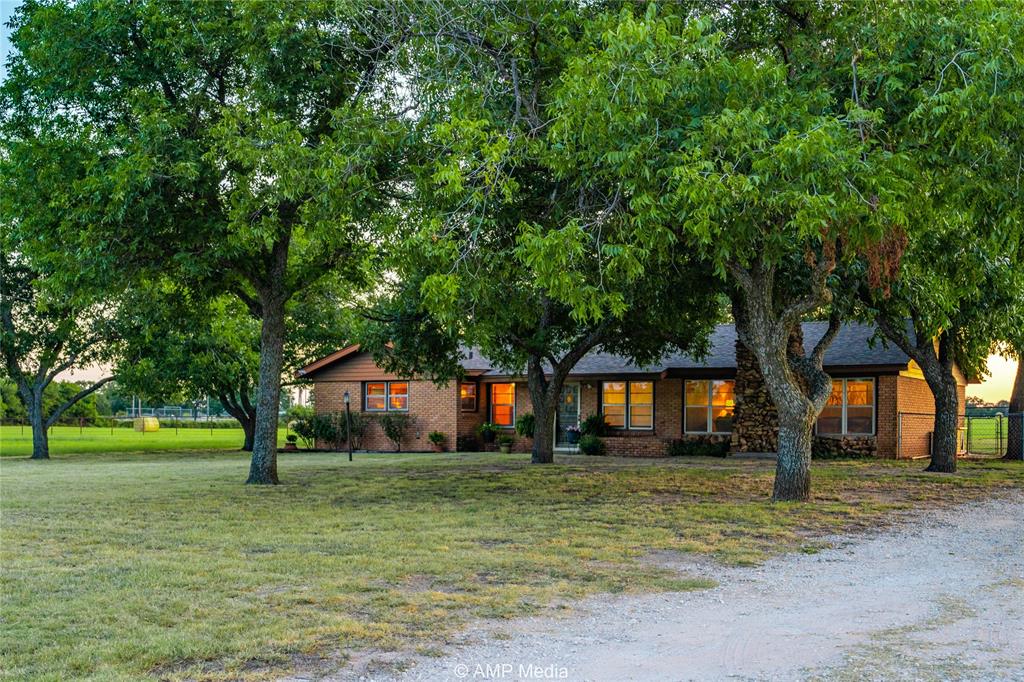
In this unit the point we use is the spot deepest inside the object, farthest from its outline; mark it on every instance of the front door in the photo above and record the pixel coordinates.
(568, 413)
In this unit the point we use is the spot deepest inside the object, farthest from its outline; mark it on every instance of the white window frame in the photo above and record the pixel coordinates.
(845, 404)
(629, 405)
(709, 407)
(490, 404)
(387, 396)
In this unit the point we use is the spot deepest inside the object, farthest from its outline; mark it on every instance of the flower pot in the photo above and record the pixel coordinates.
(488, 436)
(437, 447)
(290, 446)
(572, 437)
(505, 449)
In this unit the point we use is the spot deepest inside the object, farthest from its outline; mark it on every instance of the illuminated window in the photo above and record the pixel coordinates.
(629, 403)
(850, 409)
(386, 396)
(709, 406)
(467, 397)
(398, 396)
(376, 397)
(503, 405)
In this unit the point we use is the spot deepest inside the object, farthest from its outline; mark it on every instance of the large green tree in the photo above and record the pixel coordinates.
(179, 343)
(788, 141)
(253, 143)
(44, 332)
(727, 147)
(512, 254)
(947, 81)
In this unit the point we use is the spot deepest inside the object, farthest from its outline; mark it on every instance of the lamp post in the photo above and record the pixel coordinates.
(348, 423)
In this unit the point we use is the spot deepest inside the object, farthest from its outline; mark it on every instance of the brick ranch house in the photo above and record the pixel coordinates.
(720, 398)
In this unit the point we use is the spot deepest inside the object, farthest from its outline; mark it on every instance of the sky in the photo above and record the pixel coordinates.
(995, 388)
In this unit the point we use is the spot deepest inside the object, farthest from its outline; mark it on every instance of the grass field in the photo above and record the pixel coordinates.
(164, 565)
(16, 441)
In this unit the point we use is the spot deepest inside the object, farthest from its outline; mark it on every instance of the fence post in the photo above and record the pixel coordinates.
(970, 447)
(999, 434)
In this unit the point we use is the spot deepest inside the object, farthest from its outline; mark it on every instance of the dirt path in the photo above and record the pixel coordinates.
(938, 599)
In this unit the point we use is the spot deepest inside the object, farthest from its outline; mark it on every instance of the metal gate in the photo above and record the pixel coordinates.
(989, 436)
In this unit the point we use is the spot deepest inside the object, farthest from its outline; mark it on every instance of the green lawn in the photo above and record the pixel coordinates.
(16, 441)
(163, 564)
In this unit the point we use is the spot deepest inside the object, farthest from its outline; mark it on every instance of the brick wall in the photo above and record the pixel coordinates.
(433, 408)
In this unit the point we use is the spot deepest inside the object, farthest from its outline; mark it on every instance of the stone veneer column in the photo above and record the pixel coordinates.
(756, 422)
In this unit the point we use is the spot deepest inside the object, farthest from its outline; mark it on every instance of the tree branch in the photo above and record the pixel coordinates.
(74, 399)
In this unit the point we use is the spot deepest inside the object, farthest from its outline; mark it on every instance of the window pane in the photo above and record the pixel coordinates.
(641, 416)
(615, 416)
(399, 388)
(721, 419)
(858, 420)
(723, 393)
(503, 400)
(399, 402)
(860, 392)
(467, 396)
(831, 420)
(503, 394)
(376, 397)
(613, 393)
(501, 415)
(696, 393)
(641, 393)
(696, 419)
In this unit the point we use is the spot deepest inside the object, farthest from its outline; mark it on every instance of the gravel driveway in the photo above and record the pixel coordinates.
(938, 598)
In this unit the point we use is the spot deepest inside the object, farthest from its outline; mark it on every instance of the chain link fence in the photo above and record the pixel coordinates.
(988, 436)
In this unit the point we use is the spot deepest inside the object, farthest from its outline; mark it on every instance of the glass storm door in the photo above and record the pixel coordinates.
(568, 413)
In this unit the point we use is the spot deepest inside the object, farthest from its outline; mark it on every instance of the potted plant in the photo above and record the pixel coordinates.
(488, 432)
(572, 434)
(290, 441)
(505, 443)
(436, 439)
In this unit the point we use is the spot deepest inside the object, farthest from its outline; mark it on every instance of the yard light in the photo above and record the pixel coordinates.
(348, 423)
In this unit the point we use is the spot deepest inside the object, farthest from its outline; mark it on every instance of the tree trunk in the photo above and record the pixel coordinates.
(1015, 424)
(40, 438)
(947, 422)
(793, 466)
(263, 468)
(242, 410)
(544, 396)
(249, 429)
(543, 434)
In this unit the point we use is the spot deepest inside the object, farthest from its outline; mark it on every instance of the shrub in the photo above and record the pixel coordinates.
(697, 448)
(331, 429)
(395, 426)
(436, 437)
(592, 445)
(593, 425)
(526, 424)
(467, 444)
(487, 431)
(506, 439)
(291, 438)
(296, 412)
